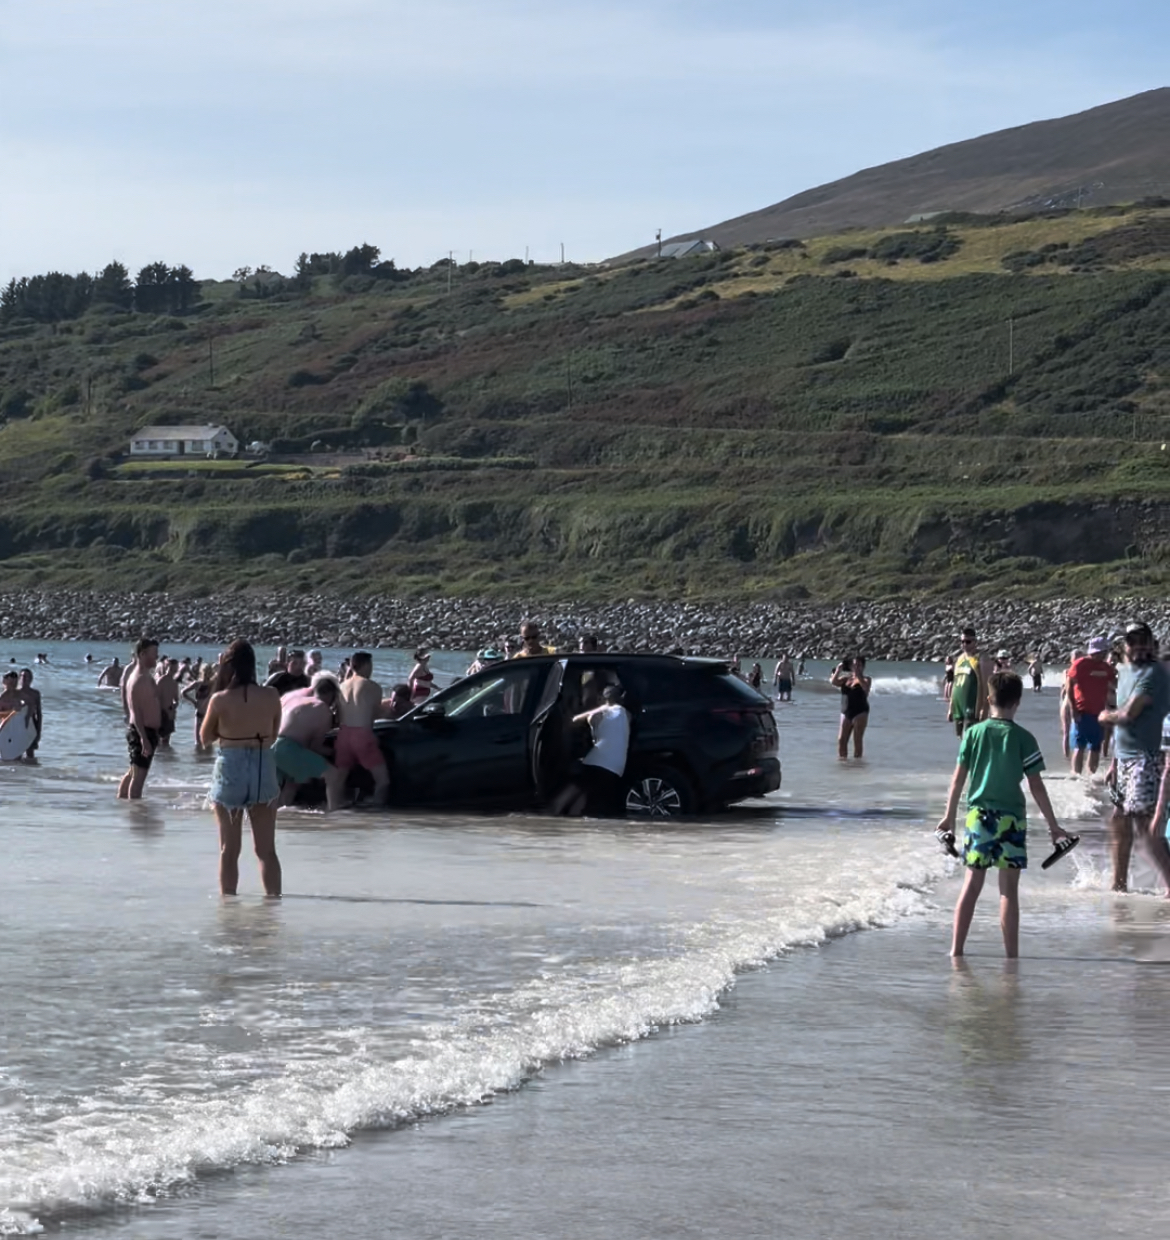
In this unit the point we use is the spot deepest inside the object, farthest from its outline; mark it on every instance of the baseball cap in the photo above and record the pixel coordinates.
(12, 674)
(1098, 645)
(1137, 628)
(490, 655)
(1003, 654)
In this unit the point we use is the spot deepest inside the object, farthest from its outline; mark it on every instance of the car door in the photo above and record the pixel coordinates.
(470, 746)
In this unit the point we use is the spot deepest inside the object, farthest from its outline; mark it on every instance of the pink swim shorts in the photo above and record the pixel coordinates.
(357, 747)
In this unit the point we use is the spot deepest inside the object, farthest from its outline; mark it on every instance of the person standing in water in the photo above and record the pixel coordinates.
(855, 685)
(199, 694)
(996, 755)
(1036, 671)
(421, 678)
(143, 717)
(358, 704)
(1135, 777)
(243, 719)
(969, 695)
(32, 699)
(782, 680)
(948, 677)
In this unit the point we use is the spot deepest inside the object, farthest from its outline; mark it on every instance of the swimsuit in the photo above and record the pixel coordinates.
(296, 762)
(854, 700)
(1135, 790)
(421, 686)
(357, 747)
(134, 745)
(995, 841)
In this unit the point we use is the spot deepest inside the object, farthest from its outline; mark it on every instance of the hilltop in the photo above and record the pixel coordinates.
(974, 405)
(1116, 153)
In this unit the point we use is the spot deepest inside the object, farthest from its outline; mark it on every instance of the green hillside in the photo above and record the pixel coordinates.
(977, 401)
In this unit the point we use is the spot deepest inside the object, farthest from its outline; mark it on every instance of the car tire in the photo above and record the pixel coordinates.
(660, 791)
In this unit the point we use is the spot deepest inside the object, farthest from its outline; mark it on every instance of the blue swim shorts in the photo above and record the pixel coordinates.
(995, 841)
(1086, 733)
(244, 777)
(296, 763)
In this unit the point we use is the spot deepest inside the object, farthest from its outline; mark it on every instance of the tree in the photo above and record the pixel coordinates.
(113, 287)
(360, 260)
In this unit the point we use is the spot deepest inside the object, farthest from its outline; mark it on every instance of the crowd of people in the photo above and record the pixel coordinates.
(300, 722)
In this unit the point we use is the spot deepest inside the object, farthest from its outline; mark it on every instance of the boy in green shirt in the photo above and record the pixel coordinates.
(997, 755)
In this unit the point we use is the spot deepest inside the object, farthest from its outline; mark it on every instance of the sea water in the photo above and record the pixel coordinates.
(677, 1026)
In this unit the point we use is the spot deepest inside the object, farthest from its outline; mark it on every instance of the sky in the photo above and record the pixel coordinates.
(240, 132)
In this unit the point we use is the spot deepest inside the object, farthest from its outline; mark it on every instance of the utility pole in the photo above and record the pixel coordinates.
(562, 253)
(658, 238)
(1011, 345)
(450, 269)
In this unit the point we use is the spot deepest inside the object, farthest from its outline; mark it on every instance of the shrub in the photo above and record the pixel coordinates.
(306, 378)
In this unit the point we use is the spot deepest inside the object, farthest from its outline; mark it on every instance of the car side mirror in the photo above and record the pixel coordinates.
(436, 710)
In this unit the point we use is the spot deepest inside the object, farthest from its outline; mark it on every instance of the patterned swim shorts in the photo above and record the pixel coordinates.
(1135, 788)
(995, 841)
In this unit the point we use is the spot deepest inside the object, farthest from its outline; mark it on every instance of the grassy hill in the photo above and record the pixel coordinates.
(977, 404)
(1116, 153)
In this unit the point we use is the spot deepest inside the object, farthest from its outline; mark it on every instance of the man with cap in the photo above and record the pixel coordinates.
(1143, 688)
(1089, 680)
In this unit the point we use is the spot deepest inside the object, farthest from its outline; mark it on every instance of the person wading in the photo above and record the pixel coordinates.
(243, 719)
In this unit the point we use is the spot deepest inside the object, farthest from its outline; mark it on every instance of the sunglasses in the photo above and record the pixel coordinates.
(967, 641)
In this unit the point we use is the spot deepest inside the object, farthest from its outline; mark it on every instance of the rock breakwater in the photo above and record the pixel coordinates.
(885, 630)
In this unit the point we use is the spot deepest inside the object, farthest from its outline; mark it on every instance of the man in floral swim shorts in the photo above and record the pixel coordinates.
(1143, 685)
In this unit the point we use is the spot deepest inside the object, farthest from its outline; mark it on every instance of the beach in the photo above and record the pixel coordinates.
(746, 1025)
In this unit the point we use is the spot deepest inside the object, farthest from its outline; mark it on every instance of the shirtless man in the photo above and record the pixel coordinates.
(111, 676)
(782, 680)
(306, 718)
(359, 703)
(143, 715)
(32, 699)
(167, 686)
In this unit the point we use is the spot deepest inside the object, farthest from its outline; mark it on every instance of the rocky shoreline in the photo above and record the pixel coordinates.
(885, 630)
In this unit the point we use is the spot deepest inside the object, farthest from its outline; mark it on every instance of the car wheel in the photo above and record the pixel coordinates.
(660, 792)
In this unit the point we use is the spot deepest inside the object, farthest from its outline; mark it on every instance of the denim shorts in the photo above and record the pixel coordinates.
(244, 777)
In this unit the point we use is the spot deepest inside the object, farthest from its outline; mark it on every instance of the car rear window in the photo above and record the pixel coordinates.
(716, 686)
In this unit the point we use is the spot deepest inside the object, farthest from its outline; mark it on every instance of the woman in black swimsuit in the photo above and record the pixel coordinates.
(854, 684)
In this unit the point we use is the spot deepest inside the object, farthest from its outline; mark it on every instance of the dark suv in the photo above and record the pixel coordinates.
(700, 738)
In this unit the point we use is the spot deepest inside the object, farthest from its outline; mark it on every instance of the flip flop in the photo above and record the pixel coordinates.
(947, 840)
(1062, 846)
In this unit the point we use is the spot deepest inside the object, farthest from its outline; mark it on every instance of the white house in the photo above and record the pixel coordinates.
(688, 249)
(183, 441)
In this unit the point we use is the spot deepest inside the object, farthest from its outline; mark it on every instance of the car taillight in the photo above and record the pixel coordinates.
(737, 715)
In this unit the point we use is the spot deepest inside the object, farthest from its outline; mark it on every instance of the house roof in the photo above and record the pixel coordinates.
(679, 249)
(180, 432)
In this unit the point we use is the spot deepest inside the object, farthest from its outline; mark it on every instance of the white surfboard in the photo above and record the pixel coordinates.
(16, 735)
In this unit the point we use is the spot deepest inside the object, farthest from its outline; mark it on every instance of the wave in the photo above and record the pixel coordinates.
(907, 686)
(120, 1151)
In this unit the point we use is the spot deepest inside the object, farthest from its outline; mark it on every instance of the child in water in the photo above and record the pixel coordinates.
(996, 755)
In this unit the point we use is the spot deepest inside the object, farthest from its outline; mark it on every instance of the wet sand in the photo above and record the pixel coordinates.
(868, 1087)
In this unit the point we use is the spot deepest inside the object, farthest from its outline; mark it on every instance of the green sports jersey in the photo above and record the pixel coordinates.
(998, 754)
(965, 690)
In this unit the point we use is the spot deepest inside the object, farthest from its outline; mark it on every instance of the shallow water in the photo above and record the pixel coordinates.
(172, 1063)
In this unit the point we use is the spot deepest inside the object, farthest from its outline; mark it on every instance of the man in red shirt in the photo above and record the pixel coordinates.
(1090, 681)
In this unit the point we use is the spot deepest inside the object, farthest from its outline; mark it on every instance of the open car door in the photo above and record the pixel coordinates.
(546, 734)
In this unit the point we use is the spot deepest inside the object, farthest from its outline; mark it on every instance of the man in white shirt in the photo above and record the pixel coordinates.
(604, 765)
